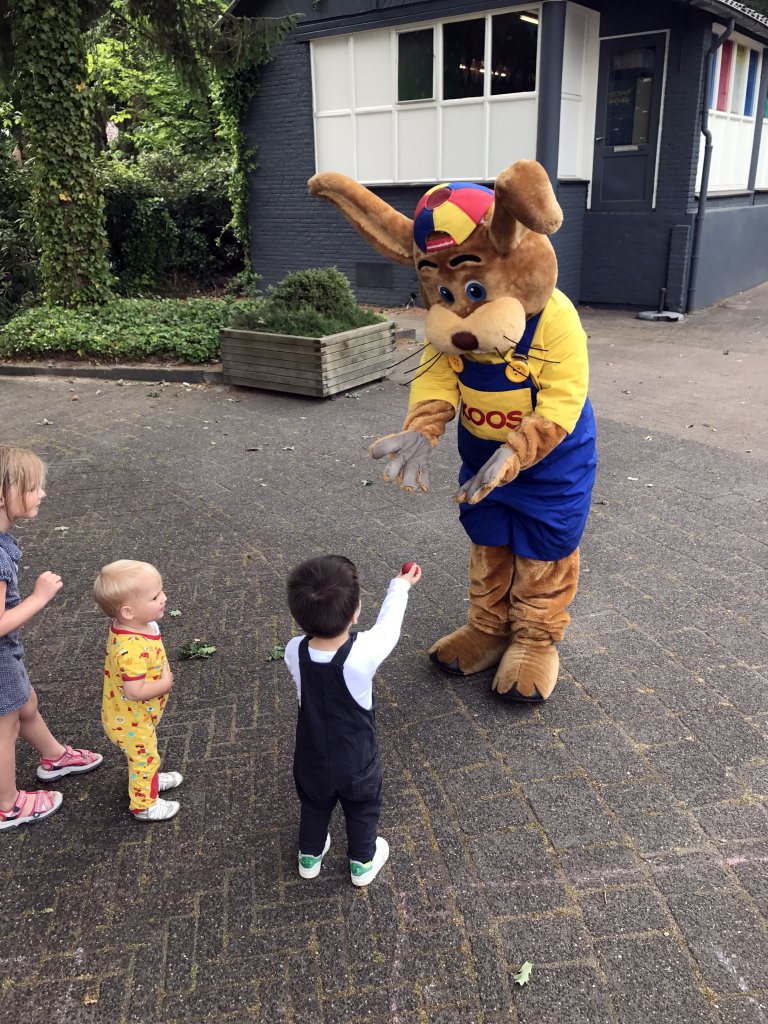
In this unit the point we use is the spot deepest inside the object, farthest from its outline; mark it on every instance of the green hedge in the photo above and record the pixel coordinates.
(122, 330)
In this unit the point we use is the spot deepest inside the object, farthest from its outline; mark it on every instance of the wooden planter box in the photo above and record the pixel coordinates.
(307, 366)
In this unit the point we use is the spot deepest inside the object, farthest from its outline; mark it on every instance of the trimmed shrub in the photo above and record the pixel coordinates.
(308, 303)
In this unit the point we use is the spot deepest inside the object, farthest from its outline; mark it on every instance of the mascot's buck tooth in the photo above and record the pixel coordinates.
(503, 342)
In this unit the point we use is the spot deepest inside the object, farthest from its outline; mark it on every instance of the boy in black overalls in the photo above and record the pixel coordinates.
(336, 756)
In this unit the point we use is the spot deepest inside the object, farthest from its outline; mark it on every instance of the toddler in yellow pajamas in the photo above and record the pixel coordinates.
(137, 681)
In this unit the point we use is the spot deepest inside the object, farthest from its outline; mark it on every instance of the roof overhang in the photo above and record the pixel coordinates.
(745, 18)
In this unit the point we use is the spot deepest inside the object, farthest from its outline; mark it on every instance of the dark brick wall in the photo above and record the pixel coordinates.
(734, 252)
(291, 231)
(629, 257)
(568, 242)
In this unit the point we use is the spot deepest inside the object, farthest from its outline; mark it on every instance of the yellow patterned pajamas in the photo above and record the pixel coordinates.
(130, 724)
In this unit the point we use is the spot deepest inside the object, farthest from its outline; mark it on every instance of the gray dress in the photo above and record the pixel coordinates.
(15, 688)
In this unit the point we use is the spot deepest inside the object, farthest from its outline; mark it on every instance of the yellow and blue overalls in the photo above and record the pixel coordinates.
(542, 513)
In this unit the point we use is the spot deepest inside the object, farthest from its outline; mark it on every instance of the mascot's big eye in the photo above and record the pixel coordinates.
(445, 293)
(475, 291)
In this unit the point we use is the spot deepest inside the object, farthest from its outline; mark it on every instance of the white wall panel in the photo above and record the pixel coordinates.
(762, 162)
(573, 49)
(331, 74)
(581, 57)
(335, 144)
(374, 71)
(731, 153)
(569, 157)
(511, 134)
(463, 142)
(375, 147)
(417, 144)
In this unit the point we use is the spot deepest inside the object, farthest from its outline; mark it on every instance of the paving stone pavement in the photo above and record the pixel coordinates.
(615, 837)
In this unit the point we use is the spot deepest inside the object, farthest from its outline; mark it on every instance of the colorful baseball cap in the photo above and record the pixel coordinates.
(452, 212)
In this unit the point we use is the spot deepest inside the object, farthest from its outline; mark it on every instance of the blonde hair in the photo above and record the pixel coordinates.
(120, 581)
(21, 469)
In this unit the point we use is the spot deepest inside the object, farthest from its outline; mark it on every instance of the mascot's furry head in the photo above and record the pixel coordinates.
(483, 258)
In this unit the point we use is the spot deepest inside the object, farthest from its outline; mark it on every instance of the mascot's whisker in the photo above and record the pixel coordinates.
(531, 348)
(410, 355)
(428, 366)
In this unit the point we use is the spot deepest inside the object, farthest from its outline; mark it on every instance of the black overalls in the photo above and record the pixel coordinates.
(336, 758)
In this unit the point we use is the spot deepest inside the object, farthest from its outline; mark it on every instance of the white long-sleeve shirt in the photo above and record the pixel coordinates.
(368, 651)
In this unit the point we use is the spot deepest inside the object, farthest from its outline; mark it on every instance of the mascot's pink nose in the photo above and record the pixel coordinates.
(465, 340)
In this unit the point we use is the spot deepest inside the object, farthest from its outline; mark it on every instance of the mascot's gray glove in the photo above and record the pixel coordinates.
(502, 468)
(408, 459)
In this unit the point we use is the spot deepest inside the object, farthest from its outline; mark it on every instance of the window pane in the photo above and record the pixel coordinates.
(513, 52)
(414, 65)
(739, 79)
(749, 102)
(725, 75)
(630, 86)
(463, 59)
(712, 75)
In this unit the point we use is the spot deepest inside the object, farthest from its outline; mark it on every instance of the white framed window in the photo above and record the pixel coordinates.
(449, 99)
(733, 93)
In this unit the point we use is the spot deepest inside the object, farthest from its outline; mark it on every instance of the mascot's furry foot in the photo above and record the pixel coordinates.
(468, 650)
(527, 673)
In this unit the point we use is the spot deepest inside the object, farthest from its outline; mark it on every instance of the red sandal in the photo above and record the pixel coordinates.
(47, 802)
(71, 762)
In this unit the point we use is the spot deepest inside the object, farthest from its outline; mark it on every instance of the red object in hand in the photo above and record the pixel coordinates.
(407, 566)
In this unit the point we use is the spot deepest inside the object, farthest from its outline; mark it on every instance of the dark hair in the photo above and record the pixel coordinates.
(323, 595)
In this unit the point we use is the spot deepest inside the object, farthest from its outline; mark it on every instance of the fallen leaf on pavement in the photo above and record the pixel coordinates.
(196, 649)
(523, 976)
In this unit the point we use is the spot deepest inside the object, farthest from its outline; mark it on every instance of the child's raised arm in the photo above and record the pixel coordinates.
(47, 586)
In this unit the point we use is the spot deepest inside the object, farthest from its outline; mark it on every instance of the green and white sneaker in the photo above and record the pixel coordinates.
(364, 874)
(309, 867)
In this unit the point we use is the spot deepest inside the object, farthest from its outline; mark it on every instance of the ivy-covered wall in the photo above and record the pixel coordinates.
(68, 207)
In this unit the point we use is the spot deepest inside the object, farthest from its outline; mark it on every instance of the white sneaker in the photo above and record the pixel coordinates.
(364, 874)
(168, 780)
(309, 867)
(161, 810)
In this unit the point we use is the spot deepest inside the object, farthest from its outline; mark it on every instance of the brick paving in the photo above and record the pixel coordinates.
(615, 837)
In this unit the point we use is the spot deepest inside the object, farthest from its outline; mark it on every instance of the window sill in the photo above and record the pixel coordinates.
(726, 194)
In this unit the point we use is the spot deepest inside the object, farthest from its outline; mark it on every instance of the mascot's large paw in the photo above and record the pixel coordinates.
(468, 650)
(527, 673)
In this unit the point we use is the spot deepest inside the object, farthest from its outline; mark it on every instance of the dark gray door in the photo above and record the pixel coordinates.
(627, 124)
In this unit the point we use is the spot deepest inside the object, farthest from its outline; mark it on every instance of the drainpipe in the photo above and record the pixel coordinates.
(699, 222)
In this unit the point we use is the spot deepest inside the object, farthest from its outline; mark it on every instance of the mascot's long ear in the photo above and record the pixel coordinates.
(525, 201)
(389, 232)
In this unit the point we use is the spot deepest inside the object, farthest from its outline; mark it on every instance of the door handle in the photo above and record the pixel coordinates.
(600, 138)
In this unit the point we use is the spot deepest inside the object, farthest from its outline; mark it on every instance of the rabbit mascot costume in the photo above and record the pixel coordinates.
(506, 352)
